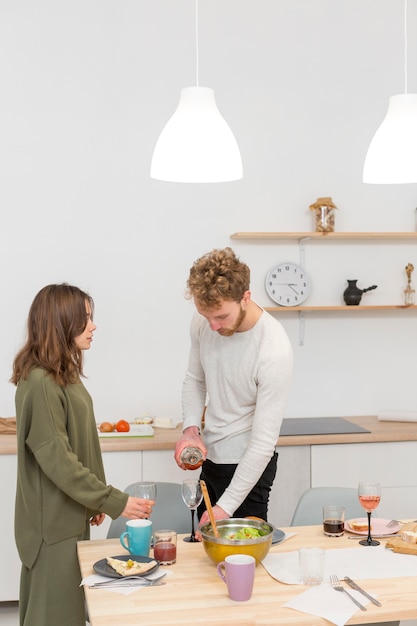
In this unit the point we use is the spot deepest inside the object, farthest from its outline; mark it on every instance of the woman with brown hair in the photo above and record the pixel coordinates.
(61, 488)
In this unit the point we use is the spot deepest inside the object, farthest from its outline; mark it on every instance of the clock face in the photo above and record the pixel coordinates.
(288, 284)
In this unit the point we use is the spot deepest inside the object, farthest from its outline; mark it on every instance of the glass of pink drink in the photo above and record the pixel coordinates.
(369, 497)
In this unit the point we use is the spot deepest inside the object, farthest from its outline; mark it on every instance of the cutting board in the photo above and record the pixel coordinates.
(399, 545)
(136, 430)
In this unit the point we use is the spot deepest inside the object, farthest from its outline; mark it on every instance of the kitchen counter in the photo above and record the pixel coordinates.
(166, 438)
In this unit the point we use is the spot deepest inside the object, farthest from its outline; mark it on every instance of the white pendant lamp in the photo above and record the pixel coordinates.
(197, 145)
(392, 153)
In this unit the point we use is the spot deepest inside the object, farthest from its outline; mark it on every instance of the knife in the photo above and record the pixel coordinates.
(131, 581)
(352, 584)
(391, 535)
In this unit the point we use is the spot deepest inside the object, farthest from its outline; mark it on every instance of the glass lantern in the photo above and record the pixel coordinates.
(324, 213)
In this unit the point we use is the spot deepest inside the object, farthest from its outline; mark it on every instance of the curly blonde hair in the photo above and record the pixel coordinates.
(218, 276)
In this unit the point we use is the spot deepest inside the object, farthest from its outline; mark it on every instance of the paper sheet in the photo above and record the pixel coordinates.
(324, 601)
(358, 563)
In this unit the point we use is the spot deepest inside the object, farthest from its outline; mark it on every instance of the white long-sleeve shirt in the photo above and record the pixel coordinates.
(244, 379)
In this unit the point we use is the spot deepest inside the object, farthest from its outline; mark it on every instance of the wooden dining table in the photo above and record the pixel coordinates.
(194, 593)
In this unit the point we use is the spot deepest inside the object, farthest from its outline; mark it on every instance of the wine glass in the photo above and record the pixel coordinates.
(369, 497)
(192, 496)
(145, 490)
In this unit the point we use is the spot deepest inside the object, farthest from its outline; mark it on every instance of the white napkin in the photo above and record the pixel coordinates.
(358, 563)
(393, 415)
(324, 601)
(96, 578)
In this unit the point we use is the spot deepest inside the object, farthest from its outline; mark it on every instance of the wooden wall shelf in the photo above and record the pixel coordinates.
(324, 236)
(302, 238)
(351, 309)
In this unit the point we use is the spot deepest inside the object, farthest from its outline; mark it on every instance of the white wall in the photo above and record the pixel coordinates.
(87, 85)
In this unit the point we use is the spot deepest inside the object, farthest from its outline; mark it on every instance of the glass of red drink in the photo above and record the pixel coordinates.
(333, 520)
(165, 546)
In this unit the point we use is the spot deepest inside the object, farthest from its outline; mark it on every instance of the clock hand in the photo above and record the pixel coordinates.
(291, 287)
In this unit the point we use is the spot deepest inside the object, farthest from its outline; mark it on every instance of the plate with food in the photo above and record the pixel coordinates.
(122, 428)
(379, 526)
(125, 565)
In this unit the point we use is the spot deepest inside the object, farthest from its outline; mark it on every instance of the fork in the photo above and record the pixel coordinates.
(335, 583)
(394, 522)
(135, 580)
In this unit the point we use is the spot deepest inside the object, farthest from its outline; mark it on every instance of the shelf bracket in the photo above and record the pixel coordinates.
(301, 328)
(301, 251)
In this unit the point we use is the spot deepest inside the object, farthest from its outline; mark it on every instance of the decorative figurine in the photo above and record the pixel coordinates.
(324, 215)
(352, 293)
(409, 292)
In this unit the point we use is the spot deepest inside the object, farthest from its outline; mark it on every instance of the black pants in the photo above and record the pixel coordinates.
(217, 477)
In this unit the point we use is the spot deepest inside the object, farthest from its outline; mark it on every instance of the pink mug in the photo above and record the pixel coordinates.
(238, 572)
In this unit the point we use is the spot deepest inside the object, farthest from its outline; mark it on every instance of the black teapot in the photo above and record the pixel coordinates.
(352, 294)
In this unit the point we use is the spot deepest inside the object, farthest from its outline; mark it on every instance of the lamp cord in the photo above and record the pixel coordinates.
(405, 48)
(196, 42)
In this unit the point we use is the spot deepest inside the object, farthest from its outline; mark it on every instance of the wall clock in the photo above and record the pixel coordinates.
(288, 284)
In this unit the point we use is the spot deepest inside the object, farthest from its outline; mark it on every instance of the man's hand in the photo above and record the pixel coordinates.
(190, 437)
(218, 513)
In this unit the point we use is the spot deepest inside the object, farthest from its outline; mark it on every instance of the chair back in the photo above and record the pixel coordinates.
(309, 508)
(169, 512)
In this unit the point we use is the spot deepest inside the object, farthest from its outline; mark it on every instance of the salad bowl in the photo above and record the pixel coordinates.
(237, 536)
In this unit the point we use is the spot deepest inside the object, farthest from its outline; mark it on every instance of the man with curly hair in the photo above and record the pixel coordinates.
(239, 374)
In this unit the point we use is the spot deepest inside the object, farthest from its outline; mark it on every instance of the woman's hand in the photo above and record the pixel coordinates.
(96, 520)
(138, 508)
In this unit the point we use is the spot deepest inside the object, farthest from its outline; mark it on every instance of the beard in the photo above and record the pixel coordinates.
(228, 332)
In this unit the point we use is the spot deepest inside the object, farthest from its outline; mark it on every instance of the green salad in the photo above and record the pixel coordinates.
(245, 533)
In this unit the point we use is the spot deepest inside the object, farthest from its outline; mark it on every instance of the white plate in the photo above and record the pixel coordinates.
(379, 526)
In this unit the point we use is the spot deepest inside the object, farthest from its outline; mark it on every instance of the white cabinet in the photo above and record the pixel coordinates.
(293, 477)
(10, 572)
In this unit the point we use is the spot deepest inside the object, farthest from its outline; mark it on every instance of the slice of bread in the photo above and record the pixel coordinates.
(359, 526)
(409, 536)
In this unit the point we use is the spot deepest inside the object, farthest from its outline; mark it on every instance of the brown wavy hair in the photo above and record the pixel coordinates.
(57, 315)
(217, 276)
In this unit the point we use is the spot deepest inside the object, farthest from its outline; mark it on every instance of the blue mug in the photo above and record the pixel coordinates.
(138, 535)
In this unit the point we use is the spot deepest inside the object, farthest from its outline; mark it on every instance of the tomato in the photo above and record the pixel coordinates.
(122, 426)
(106, 427)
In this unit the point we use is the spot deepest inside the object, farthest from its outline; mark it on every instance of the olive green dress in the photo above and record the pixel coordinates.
(60, 485)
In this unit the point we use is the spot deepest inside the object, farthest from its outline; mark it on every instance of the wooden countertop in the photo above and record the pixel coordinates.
(166, 438)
